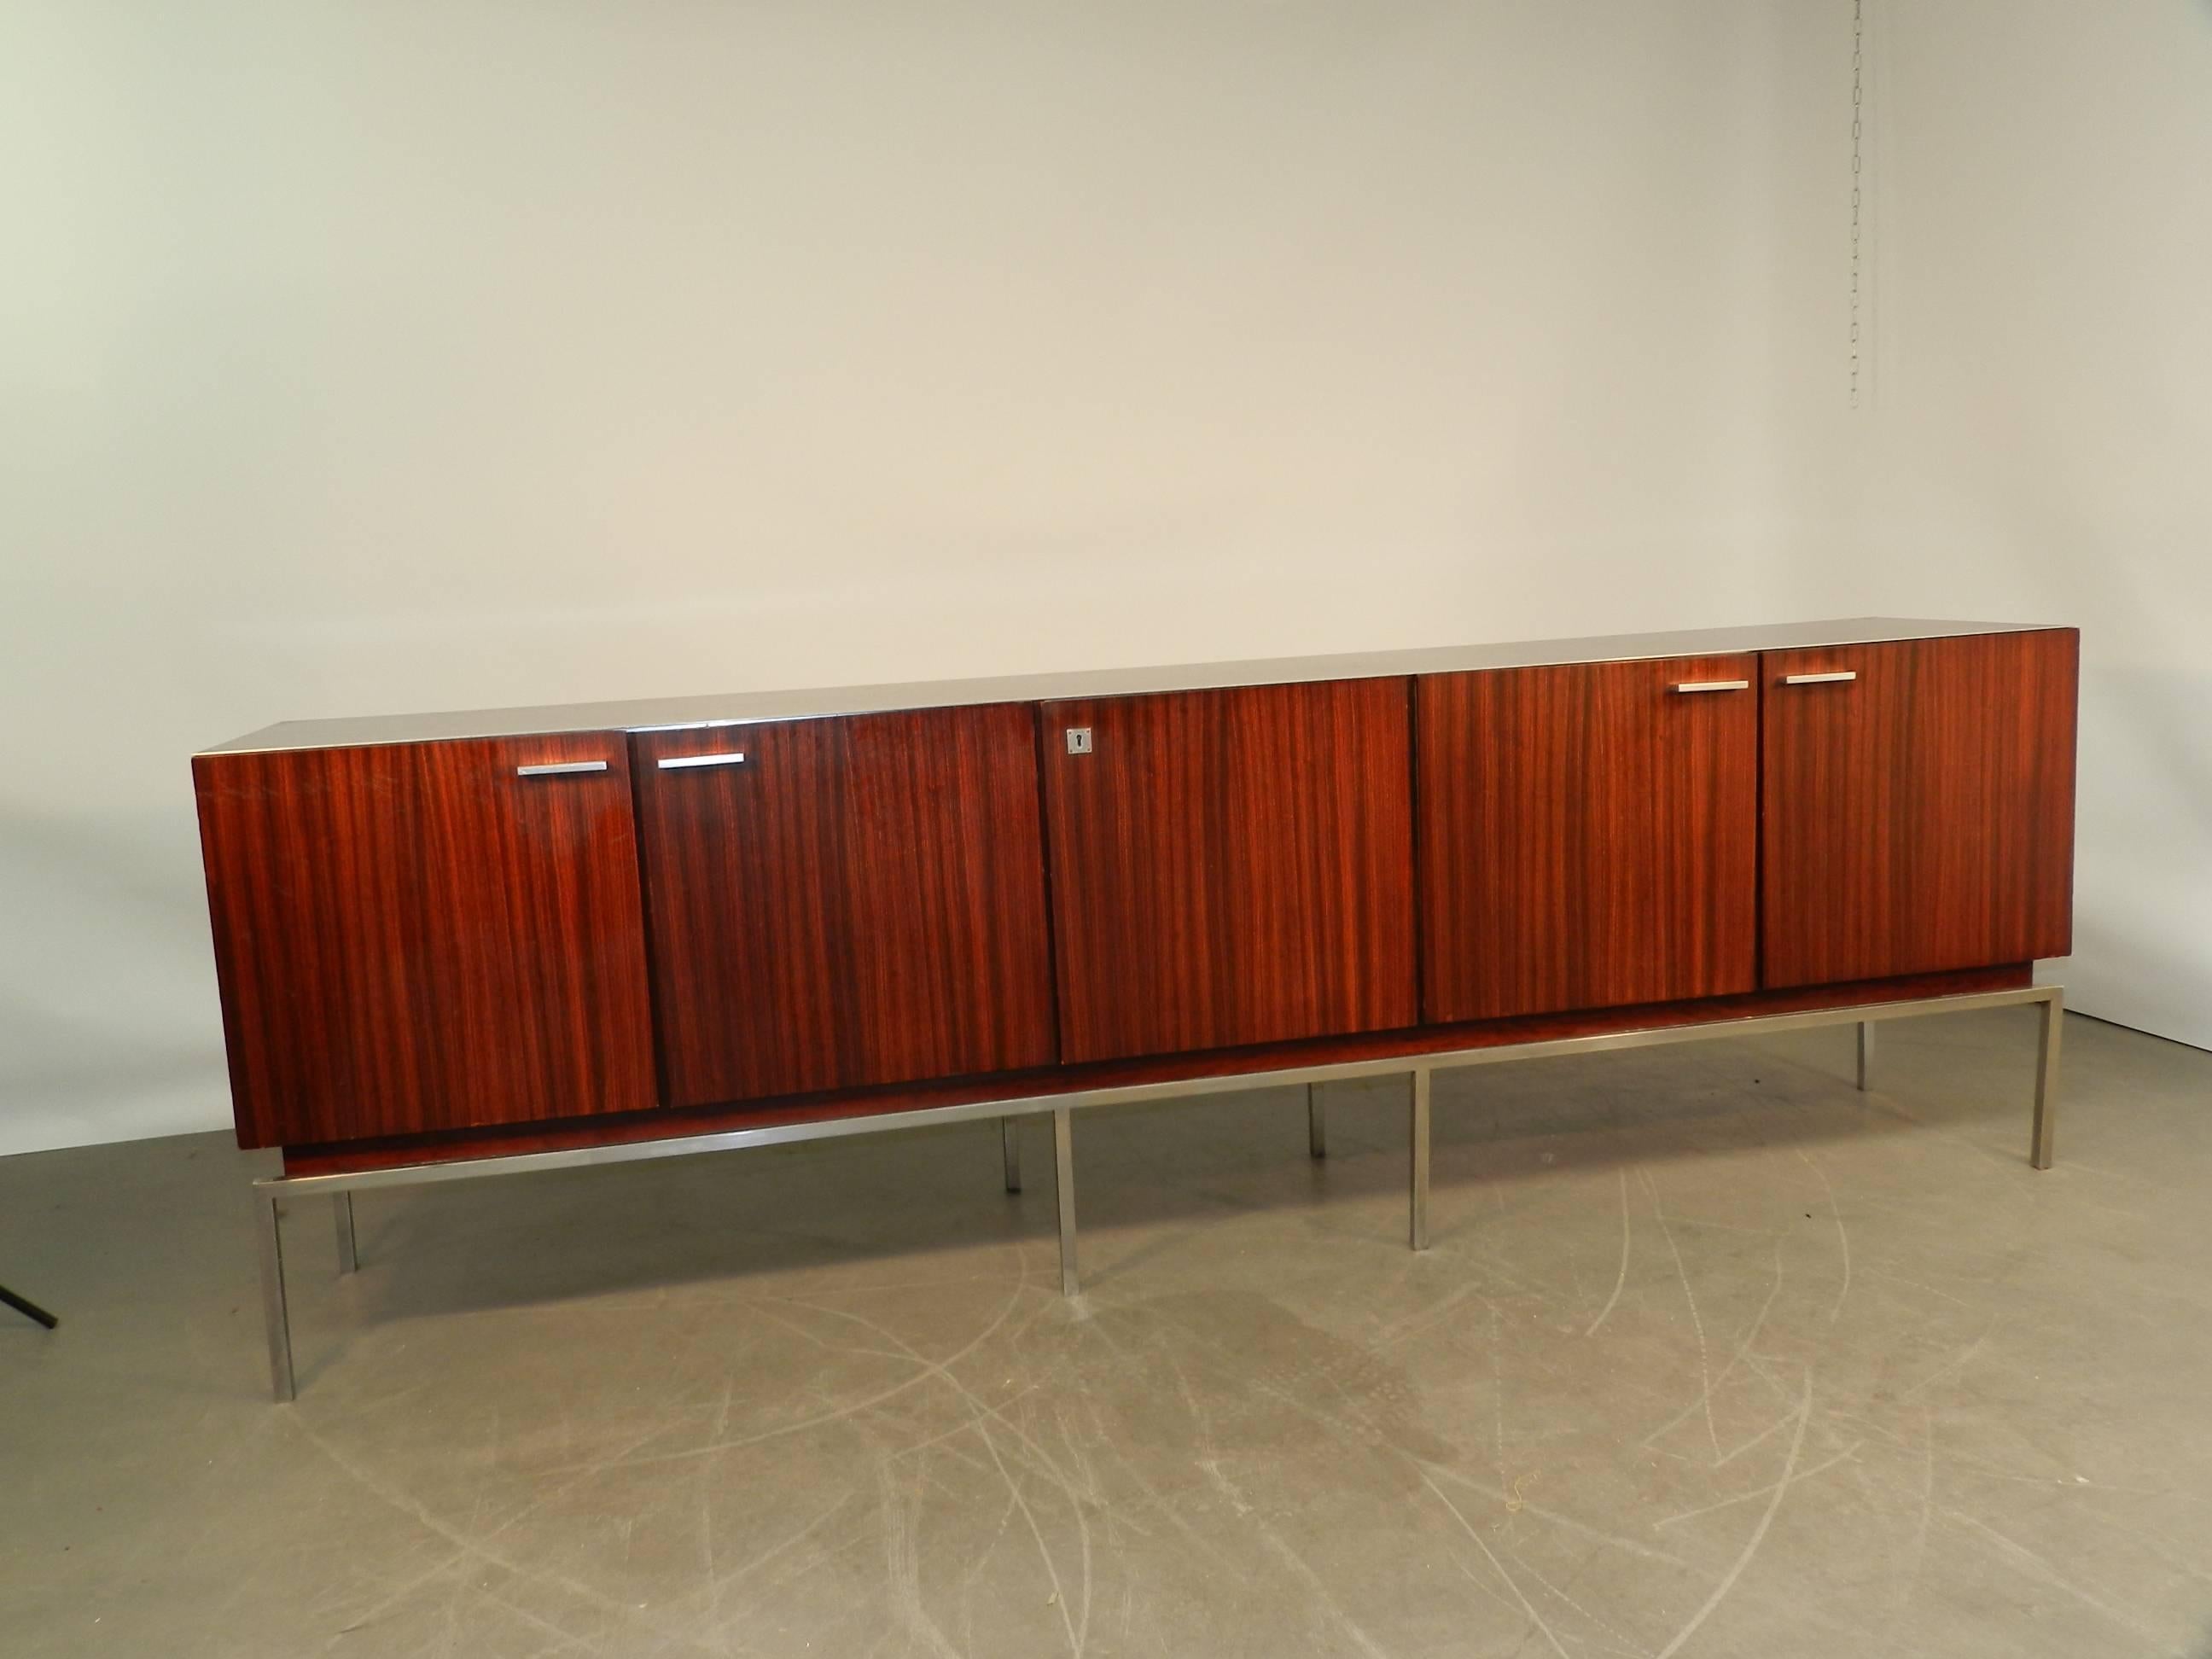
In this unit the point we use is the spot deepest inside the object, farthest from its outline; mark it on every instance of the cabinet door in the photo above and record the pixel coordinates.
(1587, 835)
(857, 901)
(1231, 867)
(416, 937)
(1919, 805)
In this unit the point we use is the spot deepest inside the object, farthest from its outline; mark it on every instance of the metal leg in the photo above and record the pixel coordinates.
(2046, 1079)
(30, 1310)
(1010, 1144)
(349, 1257)
(273, 1311)
(1866, 1053)
(1063, 1164)
(1316, 1124)
(1421, 1161)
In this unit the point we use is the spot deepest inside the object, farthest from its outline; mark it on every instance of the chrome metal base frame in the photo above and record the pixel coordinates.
(1420, 1070)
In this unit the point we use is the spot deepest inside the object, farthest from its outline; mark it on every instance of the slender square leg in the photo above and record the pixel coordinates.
(30, 1310)
(1420, 1161)
(1010, 1145)
(349, 1257)
(1063, 1165)
(2053, 1014)
(1866, 1053)
(1317, 1123)
(273, 1312)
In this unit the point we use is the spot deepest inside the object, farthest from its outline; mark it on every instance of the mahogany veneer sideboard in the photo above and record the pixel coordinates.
(457, 944)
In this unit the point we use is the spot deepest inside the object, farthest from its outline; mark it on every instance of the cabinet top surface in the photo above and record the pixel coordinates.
(745, 707)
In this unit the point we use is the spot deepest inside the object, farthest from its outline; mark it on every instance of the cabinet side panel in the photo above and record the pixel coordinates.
(862, 901)
(414, 937)
(1231, 867)
(1918, 816)
(1588, 835)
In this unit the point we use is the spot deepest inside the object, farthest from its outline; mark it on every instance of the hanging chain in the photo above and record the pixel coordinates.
(1858, 58)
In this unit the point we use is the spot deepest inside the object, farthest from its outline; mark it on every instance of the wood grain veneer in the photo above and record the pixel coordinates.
(1588, 835)
(412, 938)
(861, 901)
(1230, 867)
(1920, 817)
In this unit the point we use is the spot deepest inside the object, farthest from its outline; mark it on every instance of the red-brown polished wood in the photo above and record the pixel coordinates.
(1230, 867)
(860, 901)
(393, 1151)
(1920, 817)
(411, 937)
(1588, 835)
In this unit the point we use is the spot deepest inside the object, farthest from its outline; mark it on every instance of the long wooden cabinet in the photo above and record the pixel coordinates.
(435, 936)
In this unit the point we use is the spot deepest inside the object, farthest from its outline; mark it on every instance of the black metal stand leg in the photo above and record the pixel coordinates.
(28, 1309)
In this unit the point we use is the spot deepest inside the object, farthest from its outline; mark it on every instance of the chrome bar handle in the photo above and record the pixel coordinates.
(678, 762)
(558, 768)
(1712, 685)
(1833, 678)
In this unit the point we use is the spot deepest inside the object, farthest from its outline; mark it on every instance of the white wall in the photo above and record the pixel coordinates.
(362, 358)
(372, 357)
(2036, 441)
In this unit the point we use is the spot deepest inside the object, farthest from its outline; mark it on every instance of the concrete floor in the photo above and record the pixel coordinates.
(1712, 1356)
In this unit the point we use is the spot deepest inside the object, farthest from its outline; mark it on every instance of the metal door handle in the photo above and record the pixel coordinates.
(559, 768)
(678, 762)
(1832, 678)
(1712, 685)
